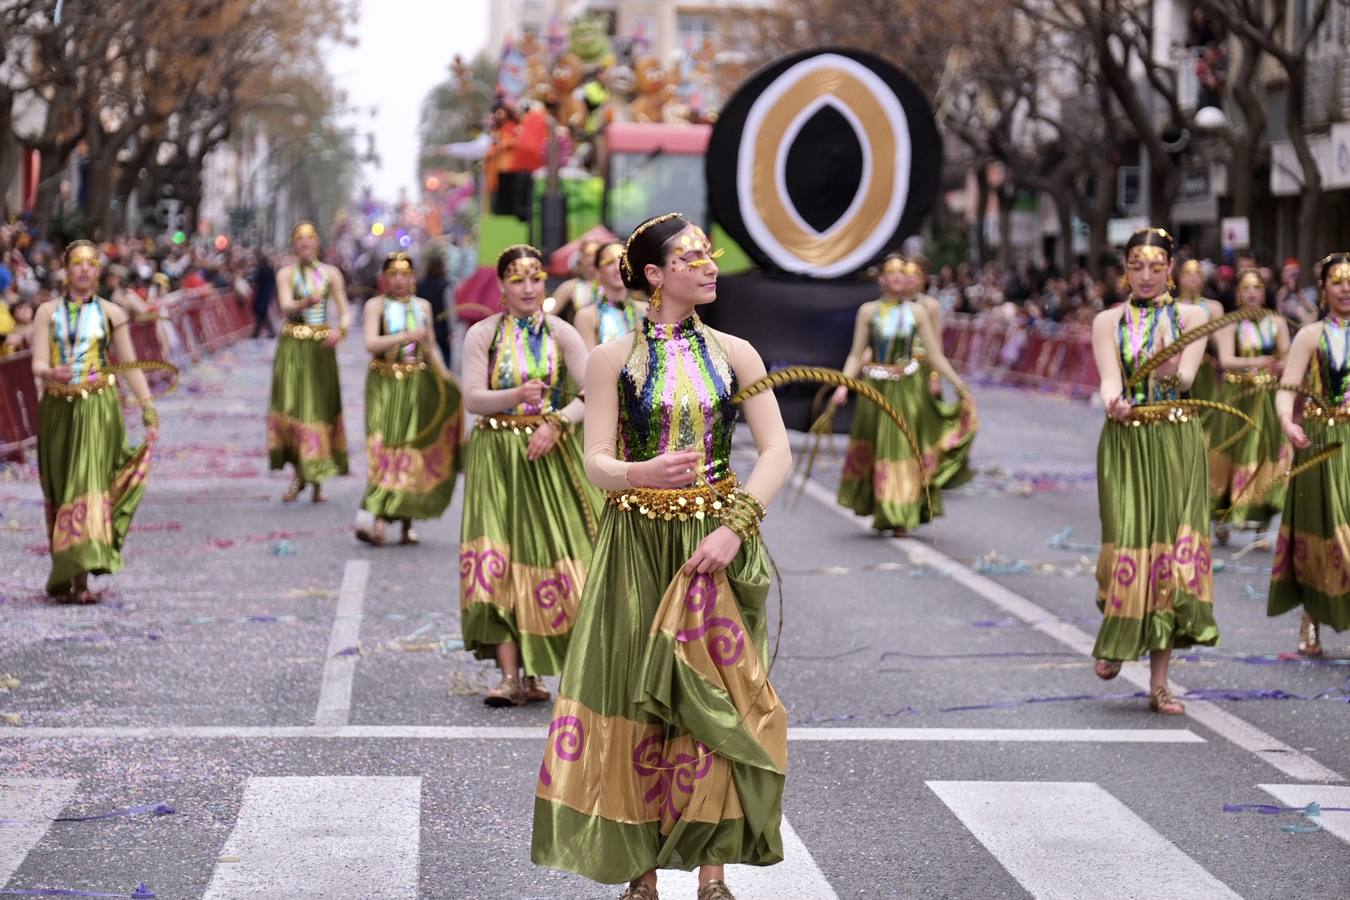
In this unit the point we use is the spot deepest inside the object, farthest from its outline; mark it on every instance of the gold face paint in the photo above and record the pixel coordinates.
(526, 268)
(893, 265)
(304, 230)
(1251, 280)
(1192, 267)
(612, 254)
(695, 241)
(82, 254)
(1339, 274)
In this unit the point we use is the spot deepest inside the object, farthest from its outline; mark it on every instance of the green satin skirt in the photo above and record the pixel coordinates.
(668, 745)
(92, 482)
(1206, 387)
(1248, 477)
(524, 547)
(407, 478)
(882, 477)
(1312, 558)
(1154, 579)
(304, 421)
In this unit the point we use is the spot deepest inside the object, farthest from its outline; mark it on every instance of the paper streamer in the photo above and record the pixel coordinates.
(157, 809)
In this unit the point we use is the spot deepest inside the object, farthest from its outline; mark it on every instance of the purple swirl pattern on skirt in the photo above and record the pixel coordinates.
(727, 644)
(550, 593)
(672, 775)
(478, 569)
(567, 746)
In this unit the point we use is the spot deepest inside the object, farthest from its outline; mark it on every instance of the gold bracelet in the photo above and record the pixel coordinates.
(559, 421)
(149, 416)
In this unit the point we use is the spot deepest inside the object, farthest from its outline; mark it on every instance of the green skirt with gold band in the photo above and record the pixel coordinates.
(1248, 476)
(92, 481)
(304, 421)
(668, 746)
(881, 475)
(407, 479)
(1154, 581)
(1312, 558)
(524, 547)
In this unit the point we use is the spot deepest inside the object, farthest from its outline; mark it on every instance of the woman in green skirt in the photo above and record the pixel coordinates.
(1191, 289)
(1153, 575)
(882, 476)
(1312, 559)
(304, 422)
(668, 745)
(413, 414)
(525, 541)
(92, 481)
(1246, 480)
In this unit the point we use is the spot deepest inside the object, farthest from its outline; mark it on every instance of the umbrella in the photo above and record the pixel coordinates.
(560, 260)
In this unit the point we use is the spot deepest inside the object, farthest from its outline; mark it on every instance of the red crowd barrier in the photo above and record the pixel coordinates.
(1046, 356)
(193, 324)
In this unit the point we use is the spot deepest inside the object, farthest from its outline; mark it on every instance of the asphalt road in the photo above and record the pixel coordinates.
(949, 738)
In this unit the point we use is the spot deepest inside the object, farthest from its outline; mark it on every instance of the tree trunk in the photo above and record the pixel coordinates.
(1099, 216)
(9, 148)
(49, 186)
(1063, 197)
(981, 244)
(1005, 198)
(1310, 198)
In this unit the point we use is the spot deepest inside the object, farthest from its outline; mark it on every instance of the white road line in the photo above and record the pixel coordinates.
(31, 800)
(1070, 840)
(1338, 823)
(330, 838)
(335, 693)
(796, 876)
(1240, 732)
(538, 733)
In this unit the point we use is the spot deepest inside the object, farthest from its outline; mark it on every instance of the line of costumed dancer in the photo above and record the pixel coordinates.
(304, 420)
(92, 480)
(897, 348)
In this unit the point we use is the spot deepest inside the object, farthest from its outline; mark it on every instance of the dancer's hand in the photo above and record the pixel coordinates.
(1118, 408)
(334, 338)
(60, 374)
(544, 439)
(1295, 434)
(669, 470)
(840, 396)
(714, 553)
(531, 392)
(415, 335)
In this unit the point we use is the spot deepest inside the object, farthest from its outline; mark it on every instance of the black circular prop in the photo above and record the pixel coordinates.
(822, 162)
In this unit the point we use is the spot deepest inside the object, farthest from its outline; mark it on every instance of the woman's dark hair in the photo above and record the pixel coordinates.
(1328, 263)
(1150, 237)
(435, 266)
(600, 250)
(649, 244)
(513, 253)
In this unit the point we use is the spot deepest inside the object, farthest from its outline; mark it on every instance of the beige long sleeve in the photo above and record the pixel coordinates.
(761, 412)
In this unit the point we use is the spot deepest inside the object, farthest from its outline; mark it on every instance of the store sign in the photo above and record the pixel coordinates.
(1236, 233)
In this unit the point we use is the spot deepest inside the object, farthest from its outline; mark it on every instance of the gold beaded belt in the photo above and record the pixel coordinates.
(675, 503)
(302, 332)
(527, 424)
(399, 370)
(1250, 379)
(890, 373)
(1159, 416)
(79, 391)
(1337, 415)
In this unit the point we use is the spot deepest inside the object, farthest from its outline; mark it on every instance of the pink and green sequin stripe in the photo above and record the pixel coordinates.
(1135, 339)
(1333, 359)
(892, 330)
(675, 393)
(523, 349)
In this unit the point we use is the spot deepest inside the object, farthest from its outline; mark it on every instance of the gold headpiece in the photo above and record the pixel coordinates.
(1160, 232)
(82, 251)
(524, 267)
(397, 262)
(304, 229)
(1147, 253)
(1249, 274)
(627, 263)
(505, 250)
(1192, 265)
(1338, 273)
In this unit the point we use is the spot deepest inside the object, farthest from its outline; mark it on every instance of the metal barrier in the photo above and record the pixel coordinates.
(1046, 356)
(193, 324)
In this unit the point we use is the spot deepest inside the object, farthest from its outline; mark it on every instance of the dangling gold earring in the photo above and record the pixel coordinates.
(1124, 285)
(1171, 285)
(655, 302)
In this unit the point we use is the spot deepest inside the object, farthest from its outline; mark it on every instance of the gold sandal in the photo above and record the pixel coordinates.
(535, 690)
(715, 890)
(1309, 637)
(1163, 701)
(506, 693)
(293, 491)
(636, 890)
(317, 496)
(409, 537)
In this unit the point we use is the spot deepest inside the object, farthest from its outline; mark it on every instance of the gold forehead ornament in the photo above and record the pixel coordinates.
(304, 230)
(1148, 253)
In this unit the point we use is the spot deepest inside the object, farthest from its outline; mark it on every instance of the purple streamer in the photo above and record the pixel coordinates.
(1268, 809)
(141, 893)
(157, 809)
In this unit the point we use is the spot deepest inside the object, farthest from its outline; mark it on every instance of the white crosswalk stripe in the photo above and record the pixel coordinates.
(1338, 823)
(334, 838)
(796, 876)
(1071, 840)
(34, 802)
